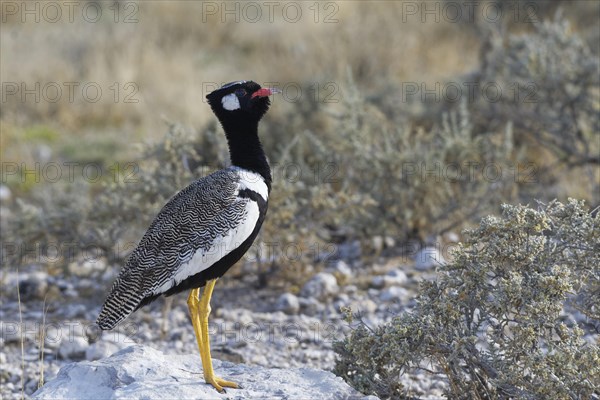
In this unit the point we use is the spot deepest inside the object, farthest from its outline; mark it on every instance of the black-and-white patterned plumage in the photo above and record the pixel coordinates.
(208, 226)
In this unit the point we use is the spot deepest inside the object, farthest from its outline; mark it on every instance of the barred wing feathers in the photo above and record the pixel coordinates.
(196, 228)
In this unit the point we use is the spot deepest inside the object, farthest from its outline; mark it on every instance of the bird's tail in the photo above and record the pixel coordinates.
(118, 305)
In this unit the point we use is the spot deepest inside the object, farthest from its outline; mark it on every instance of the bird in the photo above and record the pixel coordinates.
(204, 229)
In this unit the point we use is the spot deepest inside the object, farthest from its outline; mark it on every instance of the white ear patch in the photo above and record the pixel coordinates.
(230, 102)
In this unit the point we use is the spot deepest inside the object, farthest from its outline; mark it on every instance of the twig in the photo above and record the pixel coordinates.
(22, 338)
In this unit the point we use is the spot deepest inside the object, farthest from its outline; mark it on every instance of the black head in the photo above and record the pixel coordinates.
(240, 102)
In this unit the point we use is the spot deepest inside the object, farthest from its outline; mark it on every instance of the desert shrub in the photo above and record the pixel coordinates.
(366, 175)
(492, 321)
(415, 181)
(550, 91)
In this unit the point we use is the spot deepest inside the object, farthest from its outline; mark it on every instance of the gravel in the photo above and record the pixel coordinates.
(73, 348)
(340, 267)
(141, 372)
(257, 327)
(392, 278)
(320, 286)
(288, 303)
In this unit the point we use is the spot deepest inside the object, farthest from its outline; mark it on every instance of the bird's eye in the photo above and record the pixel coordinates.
(240, 92)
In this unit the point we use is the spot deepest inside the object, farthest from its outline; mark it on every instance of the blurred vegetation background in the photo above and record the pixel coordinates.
(402, 125)
(396, 125)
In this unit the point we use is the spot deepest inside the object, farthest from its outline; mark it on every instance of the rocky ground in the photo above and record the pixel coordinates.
(141, 372)
(260, 327)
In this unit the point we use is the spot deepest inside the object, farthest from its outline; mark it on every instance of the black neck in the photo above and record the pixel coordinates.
(246, 151)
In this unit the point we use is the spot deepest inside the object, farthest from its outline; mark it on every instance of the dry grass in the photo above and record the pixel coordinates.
(171, 55)
(170, 58)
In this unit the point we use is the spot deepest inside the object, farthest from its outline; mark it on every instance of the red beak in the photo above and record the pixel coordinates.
(265, 92)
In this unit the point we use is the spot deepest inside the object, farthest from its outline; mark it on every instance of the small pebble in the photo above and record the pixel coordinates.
(320, 286)
(288, 303)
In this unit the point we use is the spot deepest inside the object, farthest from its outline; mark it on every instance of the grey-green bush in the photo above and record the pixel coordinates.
(494, 321)
(550, 86)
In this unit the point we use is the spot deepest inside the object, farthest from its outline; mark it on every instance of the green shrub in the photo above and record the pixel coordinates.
(492, 322)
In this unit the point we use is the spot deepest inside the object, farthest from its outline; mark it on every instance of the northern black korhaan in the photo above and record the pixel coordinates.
(204, 229)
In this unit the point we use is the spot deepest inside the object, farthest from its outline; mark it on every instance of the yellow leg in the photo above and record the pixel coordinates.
(194, 306)
(200, 310)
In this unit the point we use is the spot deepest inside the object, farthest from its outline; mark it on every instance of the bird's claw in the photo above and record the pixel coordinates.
(219, 384)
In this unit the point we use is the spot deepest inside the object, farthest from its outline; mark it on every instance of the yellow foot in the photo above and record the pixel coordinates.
(219, 383)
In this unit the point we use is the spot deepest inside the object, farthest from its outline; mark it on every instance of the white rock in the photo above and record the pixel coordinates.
(43, 153)
(390, 242)
(88, 266)
(452, 237)
(71, 293)
(101, 349)
(378, 243)
(53, 337)
(363, 306)
(343, 297)
(109, 275)
(74, 310)
(393, 278)
(340, 267)
(140, 372)
(288, 303)
(73, 347)
(396, 277)
(5, 193)
(320, 286)
(393, 293)
(428, 258)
